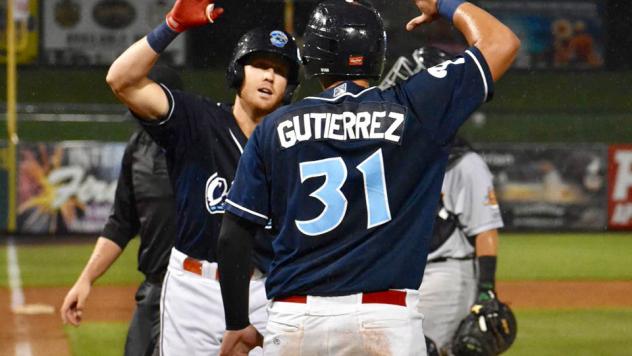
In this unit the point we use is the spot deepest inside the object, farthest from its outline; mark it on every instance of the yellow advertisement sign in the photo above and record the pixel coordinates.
(27, 29)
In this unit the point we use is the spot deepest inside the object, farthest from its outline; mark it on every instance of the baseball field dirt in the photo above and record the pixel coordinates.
(37, 325)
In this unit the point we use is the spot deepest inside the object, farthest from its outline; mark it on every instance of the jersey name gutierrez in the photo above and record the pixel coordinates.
(353, 121)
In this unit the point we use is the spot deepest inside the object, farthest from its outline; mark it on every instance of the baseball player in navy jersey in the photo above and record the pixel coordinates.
(350, 179)
(204, 141)
(465, 229)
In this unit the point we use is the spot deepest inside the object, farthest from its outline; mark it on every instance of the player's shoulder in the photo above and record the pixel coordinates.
(286, 111)
(136, 136)
(215, 111)
(471, 162)
(141, 138)
(281, 111)
(437, 73)
(197, 101)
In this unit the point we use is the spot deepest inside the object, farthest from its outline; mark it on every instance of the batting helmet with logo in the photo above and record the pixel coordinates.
(266, 40)
(344, 39)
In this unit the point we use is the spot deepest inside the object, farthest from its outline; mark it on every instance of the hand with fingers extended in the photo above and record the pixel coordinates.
(429, 13)
(72, 308)
(192, 13)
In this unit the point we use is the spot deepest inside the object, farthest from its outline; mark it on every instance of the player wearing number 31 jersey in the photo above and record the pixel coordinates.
(350, 179)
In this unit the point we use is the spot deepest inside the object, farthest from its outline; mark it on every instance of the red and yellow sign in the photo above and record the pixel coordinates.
(620, 187)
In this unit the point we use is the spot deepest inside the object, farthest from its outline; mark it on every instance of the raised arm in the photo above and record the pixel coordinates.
(128, 79)
(497, 42)
(128, 73)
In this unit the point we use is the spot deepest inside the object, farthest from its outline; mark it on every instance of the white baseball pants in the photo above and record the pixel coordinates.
(192, 314)
(447, 292)
(348, 325)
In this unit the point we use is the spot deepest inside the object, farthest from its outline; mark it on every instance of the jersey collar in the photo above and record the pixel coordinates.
(238, 136)
(344, 89)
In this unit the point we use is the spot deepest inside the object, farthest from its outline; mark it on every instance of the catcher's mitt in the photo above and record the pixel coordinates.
(488, 330)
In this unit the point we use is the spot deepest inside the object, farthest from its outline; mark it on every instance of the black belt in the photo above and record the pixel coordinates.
(444, 259)
(155, 278)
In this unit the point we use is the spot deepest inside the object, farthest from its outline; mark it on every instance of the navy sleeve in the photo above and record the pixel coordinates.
(180, 126)
(123, 223)
(249, 195)
(234, 252)
(444, 96)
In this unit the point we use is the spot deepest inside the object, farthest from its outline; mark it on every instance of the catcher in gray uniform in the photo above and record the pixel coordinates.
(461, 266)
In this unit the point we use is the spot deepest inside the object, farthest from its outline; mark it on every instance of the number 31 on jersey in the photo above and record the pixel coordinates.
(335, 203)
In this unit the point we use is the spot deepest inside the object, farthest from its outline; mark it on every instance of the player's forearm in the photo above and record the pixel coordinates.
(131, 68)
(487, 243)
(498, 44)
(234, 256)
(103, 256)
(486, 252)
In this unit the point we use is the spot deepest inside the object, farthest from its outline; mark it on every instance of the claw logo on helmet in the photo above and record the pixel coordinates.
(278, 39)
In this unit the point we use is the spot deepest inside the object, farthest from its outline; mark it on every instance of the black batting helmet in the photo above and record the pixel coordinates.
(267, 40)
(344, 39)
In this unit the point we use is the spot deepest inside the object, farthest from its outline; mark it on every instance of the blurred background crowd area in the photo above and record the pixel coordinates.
(555, 134)
(570, 81)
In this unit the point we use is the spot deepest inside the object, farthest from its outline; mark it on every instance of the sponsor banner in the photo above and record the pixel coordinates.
(25, 15)
(620, 187)
(66, 187)
(550, 187)
(95, 32)
(554, 34)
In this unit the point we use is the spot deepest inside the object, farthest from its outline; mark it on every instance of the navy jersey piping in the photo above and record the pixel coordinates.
(480, 68)
(244, 209)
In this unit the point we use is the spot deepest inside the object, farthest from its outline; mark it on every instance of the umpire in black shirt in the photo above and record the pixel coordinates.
(144, 204)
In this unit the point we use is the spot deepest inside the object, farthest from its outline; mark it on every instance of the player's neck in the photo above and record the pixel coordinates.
(330, 83)
(247, 117)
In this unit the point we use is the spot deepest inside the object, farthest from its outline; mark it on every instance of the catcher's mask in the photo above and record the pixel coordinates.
(423, 58)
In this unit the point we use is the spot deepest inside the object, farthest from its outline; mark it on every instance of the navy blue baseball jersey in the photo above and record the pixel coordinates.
(203, 145)
(351, 179)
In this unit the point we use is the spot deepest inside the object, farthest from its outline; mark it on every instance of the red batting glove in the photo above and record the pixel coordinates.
(192, 13)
